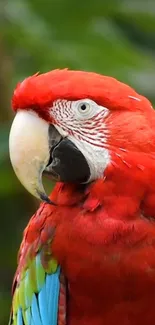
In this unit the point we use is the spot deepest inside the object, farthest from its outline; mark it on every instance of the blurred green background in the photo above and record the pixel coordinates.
(115, 38)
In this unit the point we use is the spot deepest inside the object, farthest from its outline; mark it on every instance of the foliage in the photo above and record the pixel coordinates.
(115, 37)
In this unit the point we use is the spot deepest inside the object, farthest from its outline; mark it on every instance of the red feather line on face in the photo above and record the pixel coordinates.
(39, 91)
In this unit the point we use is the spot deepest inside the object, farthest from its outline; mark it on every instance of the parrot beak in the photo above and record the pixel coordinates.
(37, 148)
(29, 147)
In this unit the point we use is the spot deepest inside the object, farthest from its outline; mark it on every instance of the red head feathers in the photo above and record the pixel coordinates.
(39, 91)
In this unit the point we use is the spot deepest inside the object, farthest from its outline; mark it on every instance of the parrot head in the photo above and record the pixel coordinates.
(73, 125)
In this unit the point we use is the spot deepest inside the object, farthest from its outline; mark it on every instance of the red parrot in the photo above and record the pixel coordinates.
(88, 253)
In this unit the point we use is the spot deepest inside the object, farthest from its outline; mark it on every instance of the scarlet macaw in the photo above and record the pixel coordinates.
(88, 253)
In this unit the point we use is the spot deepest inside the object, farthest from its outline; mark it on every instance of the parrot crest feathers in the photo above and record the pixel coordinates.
(41, 90)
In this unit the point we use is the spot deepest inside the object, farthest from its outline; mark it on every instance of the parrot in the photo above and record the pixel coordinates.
(87, 255)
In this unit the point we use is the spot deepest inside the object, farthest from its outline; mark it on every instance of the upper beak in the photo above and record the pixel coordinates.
(30, 151)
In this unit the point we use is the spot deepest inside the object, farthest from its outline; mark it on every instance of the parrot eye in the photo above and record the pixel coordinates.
(87, 108)
(84, 108)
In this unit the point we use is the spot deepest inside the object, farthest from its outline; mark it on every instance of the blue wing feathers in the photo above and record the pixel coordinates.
(55, 297)
(48, 290)
(19, 317)
(32, 322)
(35, 311)
(42, 302)
(52, 285)
(43, 307)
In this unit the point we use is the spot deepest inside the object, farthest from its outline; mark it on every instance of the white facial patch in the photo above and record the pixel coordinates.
(69, 114)
(83, 122)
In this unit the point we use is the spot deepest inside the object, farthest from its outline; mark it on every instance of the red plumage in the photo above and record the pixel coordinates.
(39, 91)
(106, 251)
(104, 232)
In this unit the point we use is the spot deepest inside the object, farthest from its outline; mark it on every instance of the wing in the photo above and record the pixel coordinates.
(39, 295)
